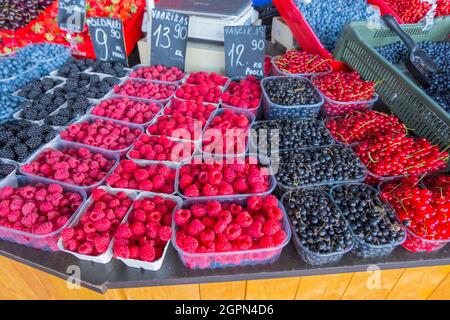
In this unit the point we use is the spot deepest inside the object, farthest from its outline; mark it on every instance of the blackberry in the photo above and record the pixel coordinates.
(6, 169)
(7, 153)
(50, 136)
(33, 142)
(21, 151)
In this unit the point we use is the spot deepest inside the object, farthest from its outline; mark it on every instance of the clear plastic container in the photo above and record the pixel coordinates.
(12, 84)
(47, 242)
(221, 86)
(264, 161)
(255, 148)
(145, 101)
(139, 66)
(91, 119)
(234, 108)
(285, 188)
(143, 164)
(215, 260)
(310, 257)
(105, 257)
(368, 250)
(47, 65)
(251, 118)
(277, 111)
(59, 144)
(155, 265)
(142, 81)
(277, 72)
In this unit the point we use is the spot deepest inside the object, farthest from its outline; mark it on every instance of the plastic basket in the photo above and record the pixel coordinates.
(400, 93)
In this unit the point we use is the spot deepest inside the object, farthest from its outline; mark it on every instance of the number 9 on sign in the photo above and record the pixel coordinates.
(102, 39)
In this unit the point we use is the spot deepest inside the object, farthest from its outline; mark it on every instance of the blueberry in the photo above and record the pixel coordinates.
(9, 104)
(48, 56)
(15, 73)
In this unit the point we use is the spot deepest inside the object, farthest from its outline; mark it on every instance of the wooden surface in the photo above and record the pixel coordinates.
(18, 281)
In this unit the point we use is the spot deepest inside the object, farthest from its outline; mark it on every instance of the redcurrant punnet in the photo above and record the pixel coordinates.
(423, 210)
(300, 62)
(412, 11)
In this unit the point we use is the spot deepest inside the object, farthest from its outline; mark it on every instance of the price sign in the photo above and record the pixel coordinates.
(72, 15)
(245, 50)
(169, 35)
(107, 37)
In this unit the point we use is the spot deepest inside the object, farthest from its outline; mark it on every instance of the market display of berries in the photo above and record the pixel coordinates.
(365, 126)
(301, 63)
(412, 11)
(328, 17)
(92, 234)
(104, 134)
(42, 107)
(20, 138)
(375, 225)
(226, 226)
(244, 93)
(198, 111)
(9, 104)
(147, 230)
(113, 68)
(227, 133)
(209, 79)
(320, 231)
(36, 88)
(71, 165)
(224, 177)
(15, 14)
(177, 127)
(390, 157)
(39, 208)
(199, 93)
(154, 177)
(161, 148)
(6, 169)
(74, 66)
(290, 97)
(127, 109)
(289, 134)
(345, 92)
(159, 73)
(439, 91)
(422, 210)
(145, 89)
(319, 166)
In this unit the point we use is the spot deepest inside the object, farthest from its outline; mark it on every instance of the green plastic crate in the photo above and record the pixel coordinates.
(400, 93)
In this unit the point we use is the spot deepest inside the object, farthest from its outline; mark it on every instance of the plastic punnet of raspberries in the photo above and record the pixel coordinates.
(147, 231)
(177, 127)
(37, 208)
(195, 110)
(223, 177)
(157, 178)
(214, 226)
(92, 234)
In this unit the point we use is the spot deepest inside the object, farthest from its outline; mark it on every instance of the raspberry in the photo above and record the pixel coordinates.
(101, 244)
(266, 242)
(223, 245)
(137, 228)
(271, 227)
(220, 226)
(233, 231)
(139, 215)
(86, 248)
(154, 216)
(198, 210)
(195, 227)
(102, 225)
(44, 228)
(134, 252)
(244, 219)
(254, 203)
(89, 227)
(213, 208)
(274, 213)
(152, 230)
(244, 242)
(148, 205)
(192, 191)
(67, 234)
(270, 201)
(123, 232)
(147, 253)
(141, 174)
(207, 236)
(209, 191)
(189, 244)
(54, 188)
(96, 215)
(121, 251)
(240, 185)
(182, 217)
(71, 245)
(255, 230)
(165, 233)
(29, 208)
(98, 194)
(279, 237)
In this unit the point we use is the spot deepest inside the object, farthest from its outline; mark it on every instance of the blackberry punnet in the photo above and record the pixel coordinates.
(289, 134)
(89, 85)
(159, 73)
(318, 223)
(114, 68)
(74, 66)
(37, 87)
(317, 166)
(42, 107)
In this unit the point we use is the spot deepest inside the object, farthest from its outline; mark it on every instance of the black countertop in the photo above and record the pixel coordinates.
(115, 274)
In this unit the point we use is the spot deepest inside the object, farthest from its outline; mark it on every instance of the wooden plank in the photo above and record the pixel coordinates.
(272, 289)
(223, 290)
(329, 287)
(180, 292)
(418, 283)
(442, 292)
(372, 285)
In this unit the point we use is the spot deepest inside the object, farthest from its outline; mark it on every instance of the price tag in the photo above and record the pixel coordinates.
(245, 50)
(107, 37)
(72, 15)
(169, 36)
